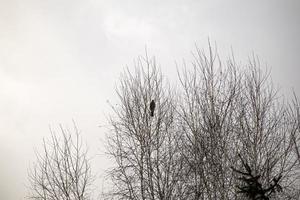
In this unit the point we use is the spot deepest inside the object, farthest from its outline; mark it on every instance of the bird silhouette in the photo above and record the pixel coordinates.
(152, 107)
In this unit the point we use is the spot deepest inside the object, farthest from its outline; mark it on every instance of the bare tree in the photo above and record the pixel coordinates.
(224, 116)
(264, 131)
(229, 110)
(62, 171)
(207, 112)
(144, 135)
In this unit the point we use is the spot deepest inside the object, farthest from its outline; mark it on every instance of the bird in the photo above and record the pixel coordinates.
(152, 107)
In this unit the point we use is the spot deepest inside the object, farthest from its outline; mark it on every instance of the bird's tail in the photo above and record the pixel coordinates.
(152, 113)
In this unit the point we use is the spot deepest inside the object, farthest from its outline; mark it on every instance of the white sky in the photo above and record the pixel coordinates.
(60, 60)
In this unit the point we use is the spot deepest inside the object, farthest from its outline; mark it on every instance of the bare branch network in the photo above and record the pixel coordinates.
(224, 134)
(62, 171)
(189, 146)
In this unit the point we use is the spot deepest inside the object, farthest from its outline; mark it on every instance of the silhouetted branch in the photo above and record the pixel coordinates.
(62, 171)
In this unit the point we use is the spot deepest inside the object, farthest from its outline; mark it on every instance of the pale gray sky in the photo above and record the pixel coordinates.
(60, 60)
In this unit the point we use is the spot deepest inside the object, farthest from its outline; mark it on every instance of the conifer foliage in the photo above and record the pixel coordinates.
(251, 186)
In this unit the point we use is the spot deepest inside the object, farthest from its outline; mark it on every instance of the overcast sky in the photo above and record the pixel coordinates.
(60, 60)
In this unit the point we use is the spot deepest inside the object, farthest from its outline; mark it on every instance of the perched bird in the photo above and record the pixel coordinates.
(152, 107)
